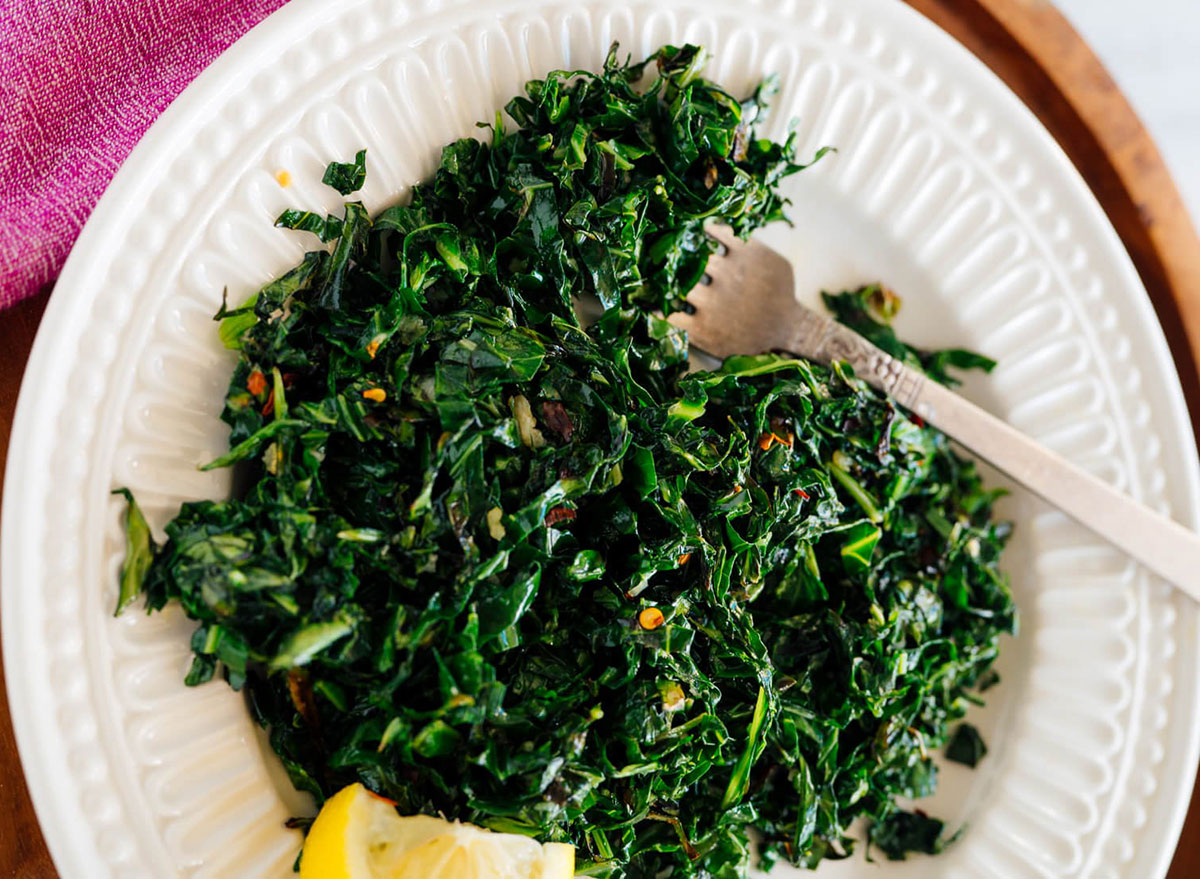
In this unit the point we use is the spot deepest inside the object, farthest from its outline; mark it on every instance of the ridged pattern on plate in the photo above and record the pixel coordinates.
(941, 185)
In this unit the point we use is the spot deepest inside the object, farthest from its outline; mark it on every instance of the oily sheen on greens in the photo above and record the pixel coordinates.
(518, 570)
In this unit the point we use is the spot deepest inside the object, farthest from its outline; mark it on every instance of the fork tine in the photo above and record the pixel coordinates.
(722, 234)
(723, 263)
(748, 303)
(699, 333)
(702, 296)
(719, 266)
(704, 300)
(683, 320)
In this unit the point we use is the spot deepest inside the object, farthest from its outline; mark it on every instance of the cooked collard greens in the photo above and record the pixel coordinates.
(502, 565)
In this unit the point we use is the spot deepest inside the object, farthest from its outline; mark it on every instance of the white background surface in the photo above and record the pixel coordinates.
(1152, 49)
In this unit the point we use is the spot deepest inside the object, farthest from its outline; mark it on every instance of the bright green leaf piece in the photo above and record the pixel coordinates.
(347, 177)
(139, 551)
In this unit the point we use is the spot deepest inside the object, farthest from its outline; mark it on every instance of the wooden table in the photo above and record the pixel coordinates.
(22, 852)
(1033, 49)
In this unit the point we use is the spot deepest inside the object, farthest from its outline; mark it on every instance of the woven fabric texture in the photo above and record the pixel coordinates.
(80, 82)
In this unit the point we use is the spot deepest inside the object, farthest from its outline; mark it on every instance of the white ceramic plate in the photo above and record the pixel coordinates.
(944, 185)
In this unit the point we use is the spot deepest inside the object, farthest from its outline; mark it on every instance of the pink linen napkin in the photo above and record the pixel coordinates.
(80, 82)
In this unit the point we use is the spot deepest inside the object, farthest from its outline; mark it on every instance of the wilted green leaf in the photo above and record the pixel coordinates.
(139, 552)
(347, 177)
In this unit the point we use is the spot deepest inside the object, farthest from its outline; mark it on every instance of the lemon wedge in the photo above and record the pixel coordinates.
(358, 835)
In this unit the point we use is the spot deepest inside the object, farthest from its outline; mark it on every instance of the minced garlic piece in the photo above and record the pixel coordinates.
(495, 526)
(526, 427)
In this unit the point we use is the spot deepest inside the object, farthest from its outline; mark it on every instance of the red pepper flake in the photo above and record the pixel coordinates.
(378, 395)
(918, 420)
(769, 439)
(557, 419)
(300, 689)
(683, 559)
(270, 404)
(559, 514)
(372, 348)
(256, 383)
(650, 618)
(804, 494)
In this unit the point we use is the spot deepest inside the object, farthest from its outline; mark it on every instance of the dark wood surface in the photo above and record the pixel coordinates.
(1041, 57)
(22, 853)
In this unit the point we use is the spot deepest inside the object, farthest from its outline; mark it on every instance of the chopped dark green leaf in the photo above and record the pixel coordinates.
(903, 832)
(325, 228)
(966, 746)
(347, 177)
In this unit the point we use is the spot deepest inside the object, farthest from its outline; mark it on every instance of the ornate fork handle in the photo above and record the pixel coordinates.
(1162, 545)
(827, 340)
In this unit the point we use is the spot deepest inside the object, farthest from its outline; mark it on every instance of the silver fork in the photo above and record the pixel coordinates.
(749, 307)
